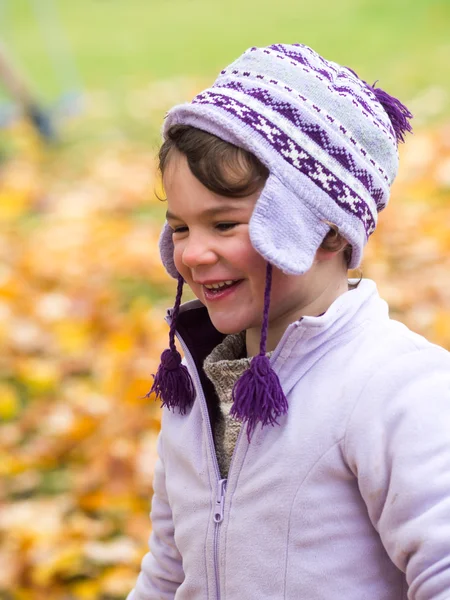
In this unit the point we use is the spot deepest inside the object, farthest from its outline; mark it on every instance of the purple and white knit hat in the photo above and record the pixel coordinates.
(328, 139)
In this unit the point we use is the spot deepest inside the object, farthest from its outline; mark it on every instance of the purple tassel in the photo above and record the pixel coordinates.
(397, 112)
(172, 382)
(257, 395)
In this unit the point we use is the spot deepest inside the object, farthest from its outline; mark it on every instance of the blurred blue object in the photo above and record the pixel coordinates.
(56, 43)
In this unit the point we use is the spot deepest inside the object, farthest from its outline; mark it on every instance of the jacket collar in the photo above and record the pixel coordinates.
(309, 339)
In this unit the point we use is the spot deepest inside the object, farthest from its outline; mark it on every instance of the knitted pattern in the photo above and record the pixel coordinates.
(224, 367)
(324, 135)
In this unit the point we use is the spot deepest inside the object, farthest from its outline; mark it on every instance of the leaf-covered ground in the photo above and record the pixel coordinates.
(82, 301)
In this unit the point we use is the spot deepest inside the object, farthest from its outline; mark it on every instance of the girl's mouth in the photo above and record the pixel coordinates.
(220, 290)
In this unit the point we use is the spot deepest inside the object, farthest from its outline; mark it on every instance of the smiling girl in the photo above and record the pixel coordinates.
(304, 447)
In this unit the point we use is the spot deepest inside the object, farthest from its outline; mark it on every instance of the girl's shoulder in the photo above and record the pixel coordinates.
(391, 340)
(398, 371)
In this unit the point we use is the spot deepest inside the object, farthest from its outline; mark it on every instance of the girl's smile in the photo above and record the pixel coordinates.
(214, 255)
(219, 291)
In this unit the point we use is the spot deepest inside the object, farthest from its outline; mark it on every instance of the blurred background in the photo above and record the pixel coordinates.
(83, 90)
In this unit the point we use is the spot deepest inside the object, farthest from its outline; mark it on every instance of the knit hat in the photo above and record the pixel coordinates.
(328, 139)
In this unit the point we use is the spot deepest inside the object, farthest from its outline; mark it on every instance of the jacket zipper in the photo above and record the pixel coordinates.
(218, 518)
(221, 483)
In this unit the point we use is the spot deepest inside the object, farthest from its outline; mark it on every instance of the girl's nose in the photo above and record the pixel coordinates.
(197, 252)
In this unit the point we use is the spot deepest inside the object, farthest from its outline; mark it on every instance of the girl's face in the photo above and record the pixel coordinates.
(213, 253)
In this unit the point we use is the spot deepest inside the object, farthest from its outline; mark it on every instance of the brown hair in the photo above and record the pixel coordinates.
(229, 171)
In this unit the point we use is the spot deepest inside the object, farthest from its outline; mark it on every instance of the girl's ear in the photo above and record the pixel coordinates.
(333, 244)
(324, 254)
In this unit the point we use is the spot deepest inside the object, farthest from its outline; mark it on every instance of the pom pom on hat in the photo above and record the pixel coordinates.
(397, 112)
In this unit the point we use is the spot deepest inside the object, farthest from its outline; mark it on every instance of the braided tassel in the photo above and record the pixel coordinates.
(257, 395)
(172, 382)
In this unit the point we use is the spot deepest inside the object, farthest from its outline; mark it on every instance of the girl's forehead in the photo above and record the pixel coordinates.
(178, 177)
(187, 195)
(214, 210)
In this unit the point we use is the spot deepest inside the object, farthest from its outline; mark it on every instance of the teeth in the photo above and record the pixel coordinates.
(216, 286)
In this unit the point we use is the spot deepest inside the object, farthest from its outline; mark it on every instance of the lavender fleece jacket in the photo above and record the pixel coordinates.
(347, 499)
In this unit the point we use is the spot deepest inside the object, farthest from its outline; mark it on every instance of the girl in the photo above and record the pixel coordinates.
(304, 451)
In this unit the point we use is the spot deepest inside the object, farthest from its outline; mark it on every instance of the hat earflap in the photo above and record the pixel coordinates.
(257, 395)
(172, 382)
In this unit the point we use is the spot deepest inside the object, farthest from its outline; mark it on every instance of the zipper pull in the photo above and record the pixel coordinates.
(220, 500)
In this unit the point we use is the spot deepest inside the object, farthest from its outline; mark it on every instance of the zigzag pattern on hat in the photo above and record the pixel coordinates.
(317, 134)
(258, 78)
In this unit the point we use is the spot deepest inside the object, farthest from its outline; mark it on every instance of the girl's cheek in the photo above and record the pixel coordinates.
(178, 257)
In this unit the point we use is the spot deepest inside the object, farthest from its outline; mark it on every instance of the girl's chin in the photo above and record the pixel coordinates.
(226, 328)
(227, 324)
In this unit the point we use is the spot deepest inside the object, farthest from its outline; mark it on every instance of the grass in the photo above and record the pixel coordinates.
(133, 59)
(121, 44)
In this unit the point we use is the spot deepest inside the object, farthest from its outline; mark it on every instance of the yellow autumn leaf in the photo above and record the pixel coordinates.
(121, 342)
(10, 286)
(86, 590)
(40, 375)
(64, 561)
(136, 390)
(11, 465)
(441, 327)
(118, 581)
(103, 500)
(9, 402)
(73, 337)
(13, 204)
(22, 593)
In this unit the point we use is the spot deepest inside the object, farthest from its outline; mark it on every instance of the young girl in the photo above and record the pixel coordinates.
(305, 443)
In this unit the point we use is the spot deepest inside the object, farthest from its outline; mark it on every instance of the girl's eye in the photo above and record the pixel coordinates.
(225, 226)
(219, 226)
(181, 229)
